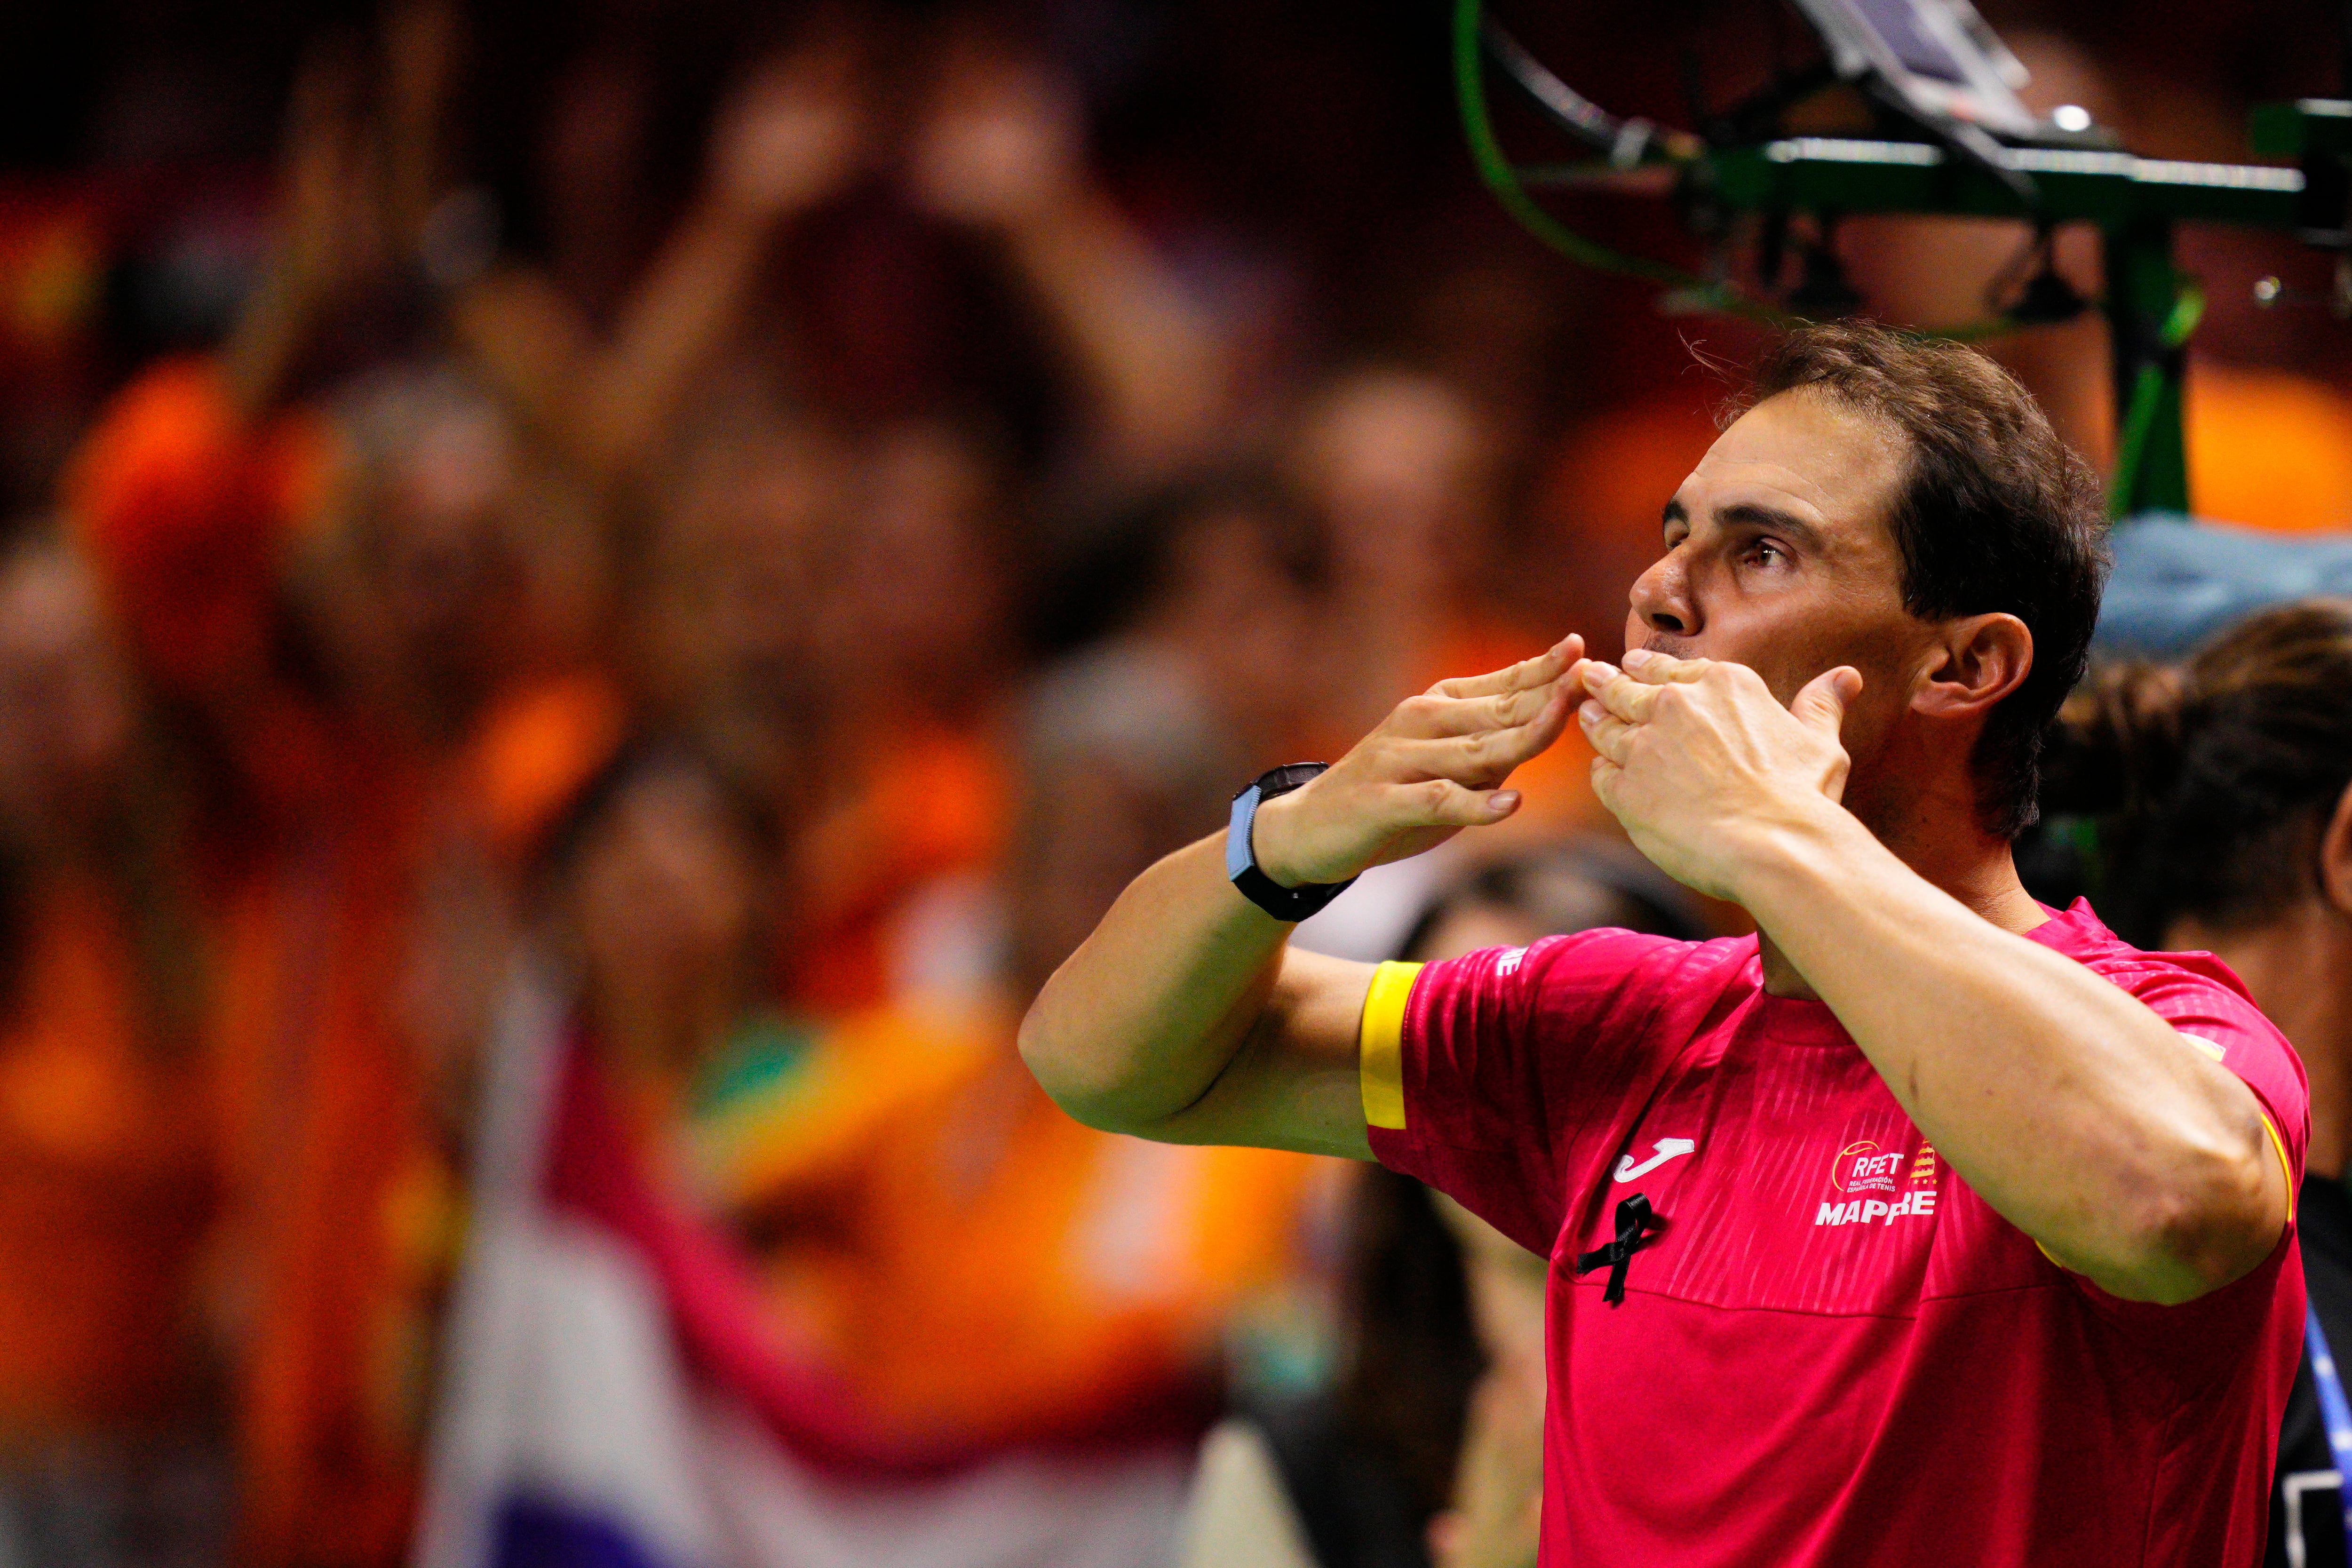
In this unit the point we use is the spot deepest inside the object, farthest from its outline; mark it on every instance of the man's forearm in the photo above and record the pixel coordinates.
(1185, 1017)
(2073, 1110)
(1142, 1020)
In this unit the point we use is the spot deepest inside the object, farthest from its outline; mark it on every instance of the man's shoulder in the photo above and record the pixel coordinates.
(1613, 980)
(2206, 1004)
(1611, 959)
(2078, 933)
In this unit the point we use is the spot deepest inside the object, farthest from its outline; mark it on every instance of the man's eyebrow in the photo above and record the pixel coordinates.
(1749, 514)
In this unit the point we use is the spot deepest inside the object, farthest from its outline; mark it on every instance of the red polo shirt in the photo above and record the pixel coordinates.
(1834, 1352)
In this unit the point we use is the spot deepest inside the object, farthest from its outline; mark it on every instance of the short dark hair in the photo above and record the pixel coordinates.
(1994, 514)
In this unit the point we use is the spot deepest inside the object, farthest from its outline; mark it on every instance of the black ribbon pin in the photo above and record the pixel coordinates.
(1637, 1225)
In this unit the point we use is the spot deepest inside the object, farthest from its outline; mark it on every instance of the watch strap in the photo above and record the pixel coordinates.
(1283, 903)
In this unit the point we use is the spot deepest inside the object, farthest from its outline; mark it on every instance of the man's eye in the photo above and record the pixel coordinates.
(1764, 553)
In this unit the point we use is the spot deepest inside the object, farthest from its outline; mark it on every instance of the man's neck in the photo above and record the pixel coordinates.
(1976, 869)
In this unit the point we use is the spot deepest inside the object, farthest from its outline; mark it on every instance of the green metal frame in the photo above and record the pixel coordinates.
(2151, 307)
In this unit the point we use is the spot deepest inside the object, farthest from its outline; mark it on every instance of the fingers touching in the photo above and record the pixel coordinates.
(1532, 698)
(1621, 700)
(1484, 757)
(1465, 736)
(1434, 717)
(1436, 764)
(1663, 668)
(1541, 670)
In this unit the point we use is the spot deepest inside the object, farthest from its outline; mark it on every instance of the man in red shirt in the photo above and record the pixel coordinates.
(1929, 1225)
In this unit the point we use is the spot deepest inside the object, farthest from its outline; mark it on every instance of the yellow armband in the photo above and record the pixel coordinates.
(1381, 1045)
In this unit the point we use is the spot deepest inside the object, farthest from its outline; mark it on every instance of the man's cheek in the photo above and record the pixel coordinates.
(1783, 678)
(1869, 720)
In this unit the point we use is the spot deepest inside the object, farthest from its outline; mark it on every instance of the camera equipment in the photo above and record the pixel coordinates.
(1914, 108)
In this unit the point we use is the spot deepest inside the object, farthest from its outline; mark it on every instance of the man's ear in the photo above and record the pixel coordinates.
(2336, 857)
(1974, 663)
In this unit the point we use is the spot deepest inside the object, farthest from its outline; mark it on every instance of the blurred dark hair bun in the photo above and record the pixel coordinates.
(2117, 746)
(2212, 783)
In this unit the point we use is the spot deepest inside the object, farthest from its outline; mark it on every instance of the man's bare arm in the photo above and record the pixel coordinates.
(2071, 1107)
(2073, 1110)
(1185, 1018)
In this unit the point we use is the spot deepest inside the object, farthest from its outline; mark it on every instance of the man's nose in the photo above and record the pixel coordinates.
(1662, 598)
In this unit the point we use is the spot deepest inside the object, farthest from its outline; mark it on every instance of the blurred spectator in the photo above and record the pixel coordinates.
(825, 614)
(401, 774)
(367, 622)
(109, 1386)
(1401, 470)
(665, 893)
(899, 1181)
(726, 634)
(914, 655)
(1002, 152)
(455, 564)
(1202, 673)
(1403, 473)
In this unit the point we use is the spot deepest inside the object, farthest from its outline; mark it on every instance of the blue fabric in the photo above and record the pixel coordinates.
(2178, 581)
(537, 1534)
(2334, 1413)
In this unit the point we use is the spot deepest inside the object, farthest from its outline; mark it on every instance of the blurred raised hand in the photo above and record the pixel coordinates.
(1004, 145)
(792, 136)
(422, 40)
(1002, 150)
(331, 227)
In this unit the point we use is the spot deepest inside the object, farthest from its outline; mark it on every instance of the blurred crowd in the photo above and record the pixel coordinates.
(782, 592)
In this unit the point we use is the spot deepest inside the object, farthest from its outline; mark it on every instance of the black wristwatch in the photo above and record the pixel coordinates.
(1240, 857)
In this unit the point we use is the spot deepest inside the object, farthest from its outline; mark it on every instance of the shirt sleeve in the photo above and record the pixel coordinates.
(2215, 1020)
(1479, 1072)
(2211, 1335)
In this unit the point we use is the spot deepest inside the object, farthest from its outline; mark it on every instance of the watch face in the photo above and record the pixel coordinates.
(1287, 777)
